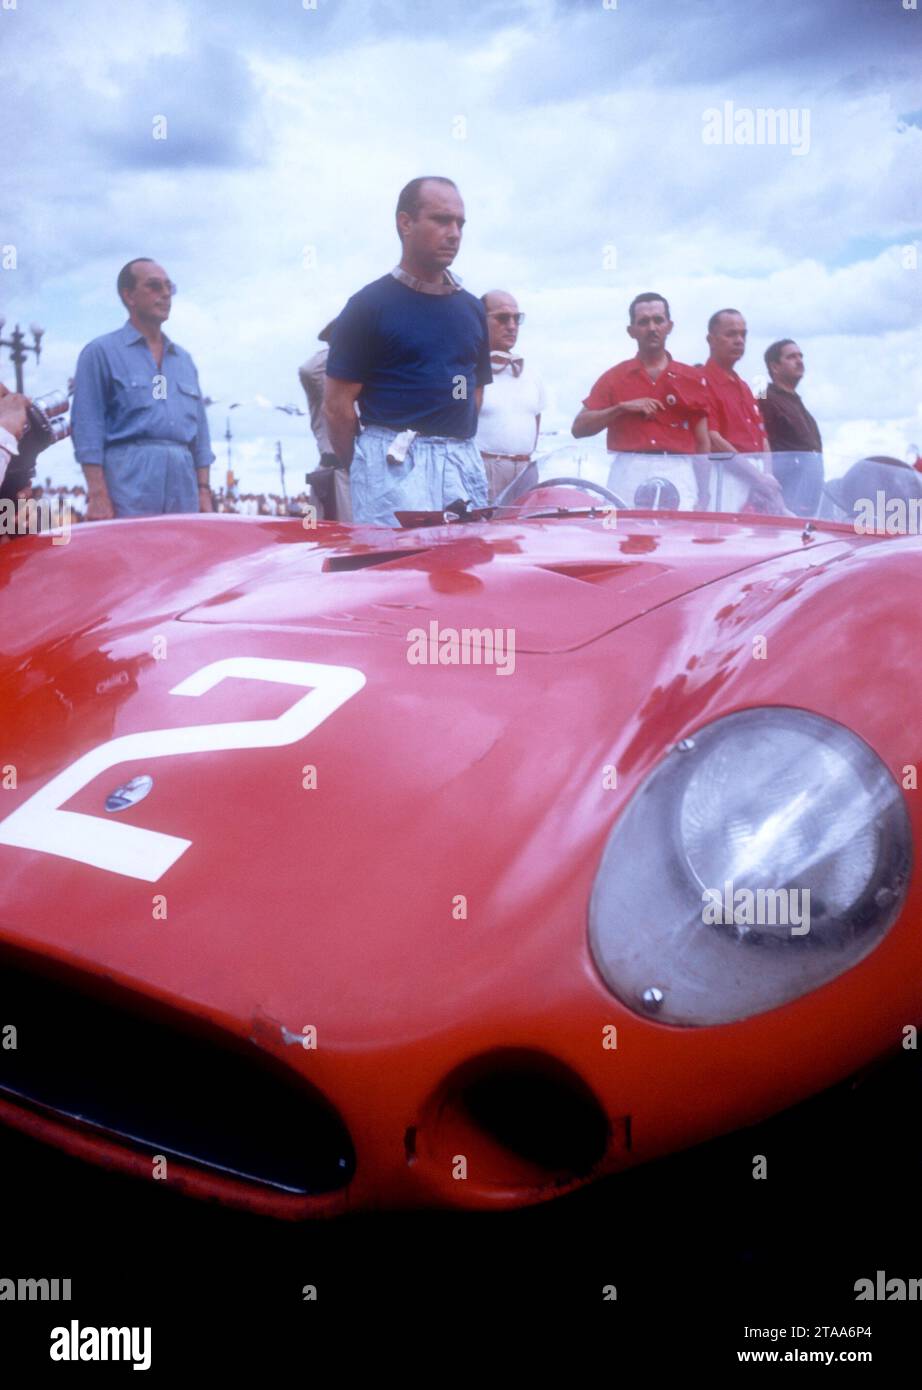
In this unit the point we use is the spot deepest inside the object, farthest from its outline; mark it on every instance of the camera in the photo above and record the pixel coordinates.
(45, 425)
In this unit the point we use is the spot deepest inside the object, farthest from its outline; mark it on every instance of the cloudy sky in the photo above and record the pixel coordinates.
(582, 135)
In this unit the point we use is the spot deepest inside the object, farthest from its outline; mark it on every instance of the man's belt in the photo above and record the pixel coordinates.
(511, 458)
(400, 429)
(145, 439)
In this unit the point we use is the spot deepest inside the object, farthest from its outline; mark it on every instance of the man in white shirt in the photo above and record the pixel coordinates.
(510, 417)
(329, 483)
(312, 374)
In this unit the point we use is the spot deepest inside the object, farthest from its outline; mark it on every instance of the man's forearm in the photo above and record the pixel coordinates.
(740, 464)
(341, 429)
(95, 479)
(702, 436)
(205, 499)
(98, 502)
(743, 468)
(590, 422)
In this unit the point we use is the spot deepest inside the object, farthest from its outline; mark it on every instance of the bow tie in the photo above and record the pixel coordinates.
(501, 360)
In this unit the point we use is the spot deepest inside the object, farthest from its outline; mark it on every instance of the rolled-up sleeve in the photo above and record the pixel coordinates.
(698, 397)
(88, 410)
(202, 451)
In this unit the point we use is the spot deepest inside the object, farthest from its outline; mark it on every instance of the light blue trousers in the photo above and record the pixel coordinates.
(435, 472)
(151, 477)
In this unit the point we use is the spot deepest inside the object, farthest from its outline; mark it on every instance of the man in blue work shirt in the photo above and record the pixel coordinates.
(413, 349)
(139, 427)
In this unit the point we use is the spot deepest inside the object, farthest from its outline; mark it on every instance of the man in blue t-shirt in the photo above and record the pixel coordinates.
(413, 349)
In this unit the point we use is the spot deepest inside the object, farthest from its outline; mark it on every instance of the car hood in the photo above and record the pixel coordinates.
(558, 584)
(330, 870)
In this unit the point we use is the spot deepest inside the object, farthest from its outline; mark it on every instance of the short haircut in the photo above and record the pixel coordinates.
(642, 299)
(485, 298)
(411, 199)
(126, 276)
(714, 320)
(774, 350)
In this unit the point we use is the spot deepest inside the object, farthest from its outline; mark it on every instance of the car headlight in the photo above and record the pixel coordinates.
(762, 857)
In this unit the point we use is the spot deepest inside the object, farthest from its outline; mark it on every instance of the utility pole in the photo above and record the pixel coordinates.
(286, 410)
(19, 347)
(281, 464)
(231, 481)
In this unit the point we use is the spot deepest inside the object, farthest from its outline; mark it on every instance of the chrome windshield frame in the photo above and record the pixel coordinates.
(706, 482)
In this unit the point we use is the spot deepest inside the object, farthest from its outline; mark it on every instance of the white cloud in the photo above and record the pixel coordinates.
(583, 131)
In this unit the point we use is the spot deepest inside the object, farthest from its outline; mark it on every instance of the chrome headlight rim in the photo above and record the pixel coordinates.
(864, 909)
(649, 828)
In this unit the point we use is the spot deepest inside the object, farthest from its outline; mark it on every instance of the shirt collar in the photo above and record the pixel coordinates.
(711, 365)
(131, 335)
(450, 283)
(638, 366)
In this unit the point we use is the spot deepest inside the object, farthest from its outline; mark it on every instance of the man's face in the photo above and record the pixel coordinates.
(650, 327)
(433, 238)
(151, 299)
(789, 368)
(727, 341)
(502, 313)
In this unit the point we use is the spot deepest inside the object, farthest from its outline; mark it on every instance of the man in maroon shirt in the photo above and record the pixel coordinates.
(650, 404)
(792, 431)
(735, 423)
(788, 422)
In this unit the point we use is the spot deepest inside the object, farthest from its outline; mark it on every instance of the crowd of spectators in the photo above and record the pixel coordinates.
(238, 503)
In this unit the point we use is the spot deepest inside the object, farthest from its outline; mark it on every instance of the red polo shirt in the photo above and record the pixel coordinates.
(734, 412)
(683, 391)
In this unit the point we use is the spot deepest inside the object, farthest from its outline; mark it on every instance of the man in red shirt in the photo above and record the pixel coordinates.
(650, 404)
(735, 423)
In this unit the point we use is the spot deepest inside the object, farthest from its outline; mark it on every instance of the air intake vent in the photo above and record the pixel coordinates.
(522, 1118)
(338, 564)
(154, 1083)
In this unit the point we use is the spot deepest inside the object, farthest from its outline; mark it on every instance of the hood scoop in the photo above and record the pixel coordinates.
(553, 602)
(592, 573)
(341, 564)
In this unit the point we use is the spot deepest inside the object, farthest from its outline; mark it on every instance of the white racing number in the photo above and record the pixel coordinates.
(40, 824)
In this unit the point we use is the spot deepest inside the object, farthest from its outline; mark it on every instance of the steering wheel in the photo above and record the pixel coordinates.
(584, 484)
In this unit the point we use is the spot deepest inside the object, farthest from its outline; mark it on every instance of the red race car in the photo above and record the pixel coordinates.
(456, 865)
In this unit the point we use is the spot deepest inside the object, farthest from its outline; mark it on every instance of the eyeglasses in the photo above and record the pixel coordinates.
(502, 316)
(158, 285)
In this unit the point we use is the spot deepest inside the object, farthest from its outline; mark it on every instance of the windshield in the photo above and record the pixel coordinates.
(778, 484)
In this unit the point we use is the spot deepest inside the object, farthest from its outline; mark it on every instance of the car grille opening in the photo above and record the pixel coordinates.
(153, 1080)
(523, 1118)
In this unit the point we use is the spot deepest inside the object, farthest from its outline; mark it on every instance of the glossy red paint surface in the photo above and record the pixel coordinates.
(335, 906)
